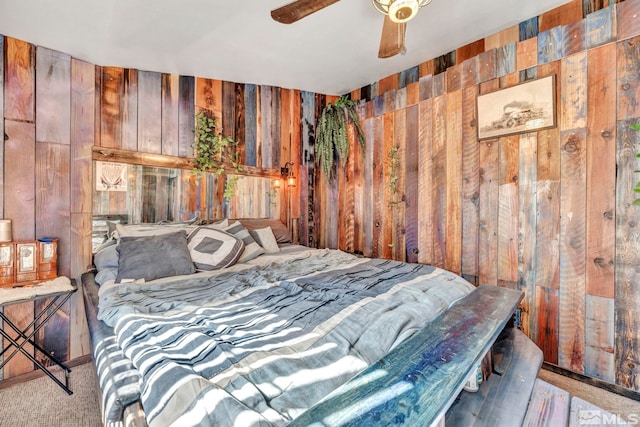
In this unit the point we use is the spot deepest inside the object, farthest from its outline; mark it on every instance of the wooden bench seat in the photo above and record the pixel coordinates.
(548, 407)
(503, 398)
(514, 396)
(418, 381)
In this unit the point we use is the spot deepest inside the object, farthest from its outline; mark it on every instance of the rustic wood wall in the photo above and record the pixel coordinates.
(546, 212)
(46, 165)
(57, 108)
(266, 121)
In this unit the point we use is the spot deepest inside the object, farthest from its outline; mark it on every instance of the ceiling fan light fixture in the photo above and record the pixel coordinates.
(399, 10)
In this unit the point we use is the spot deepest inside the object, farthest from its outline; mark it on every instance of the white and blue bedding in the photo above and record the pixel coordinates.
(259, 343)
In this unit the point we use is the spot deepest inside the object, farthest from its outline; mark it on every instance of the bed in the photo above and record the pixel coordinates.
(257, 342)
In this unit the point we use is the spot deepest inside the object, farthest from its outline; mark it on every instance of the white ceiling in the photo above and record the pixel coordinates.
(332, 51)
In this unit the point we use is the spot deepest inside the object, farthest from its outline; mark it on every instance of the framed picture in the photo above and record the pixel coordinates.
(111, 176)
(47, 249)
(522, 108)
(47, 258)
(7, 276)
(26, 261)
(6, 255)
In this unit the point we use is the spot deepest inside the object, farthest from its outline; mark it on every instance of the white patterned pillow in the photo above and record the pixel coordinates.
(219, 224)
(213, 249)
(251, 248)
(266, 239)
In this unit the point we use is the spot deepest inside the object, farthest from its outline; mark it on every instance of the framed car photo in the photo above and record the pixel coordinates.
(526, 107)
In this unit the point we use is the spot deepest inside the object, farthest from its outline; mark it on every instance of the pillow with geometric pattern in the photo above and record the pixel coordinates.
(213, 249)
(252, 249)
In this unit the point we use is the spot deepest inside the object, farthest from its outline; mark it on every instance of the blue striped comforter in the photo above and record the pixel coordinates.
(260, 345)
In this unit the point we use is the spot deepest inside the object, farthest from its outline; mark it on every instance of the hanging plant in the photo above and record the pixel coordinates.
(332, 143)
(214, 152)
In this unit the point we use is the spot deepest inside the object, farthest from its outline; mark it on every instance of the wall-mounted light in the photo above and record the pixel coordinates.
(276, 183)
(287, 173)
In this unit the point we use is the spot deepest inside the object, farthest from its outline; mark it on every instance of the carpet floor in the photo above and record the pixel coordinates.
(41, 403)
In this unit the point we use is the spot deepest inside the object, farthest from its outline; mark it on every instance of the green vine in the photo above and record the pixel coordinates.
(392, 183)
(214, 152)
(332, 143)
(230, 186)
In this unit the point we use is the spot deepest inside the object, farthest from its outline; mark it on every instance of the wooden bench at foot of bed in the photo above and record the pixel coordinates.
(503, 398)
(420, 379)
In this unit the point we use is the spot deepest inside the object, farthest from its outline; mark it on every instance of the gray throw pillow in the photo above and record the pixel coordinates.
(104, 275)
(153, 257)
(106, 257)
(277, 227)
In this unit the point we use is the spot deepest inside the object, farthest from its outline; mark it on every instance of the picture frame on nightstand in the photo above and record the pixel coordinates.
(7, 261)
(47, 258)
(26, 262)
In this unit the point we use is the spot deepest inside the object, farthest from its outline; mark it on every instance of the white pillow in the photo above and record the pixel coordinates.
(220, 225)
(252, 249)
(146, 230)
(266, 239)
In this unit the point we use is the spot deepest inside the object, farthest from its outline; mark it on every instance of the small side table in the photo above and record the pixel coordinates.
(59, 290)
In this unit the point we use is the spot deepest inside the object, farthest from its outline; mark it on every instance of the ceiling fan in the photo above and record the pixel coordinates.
(394, 28)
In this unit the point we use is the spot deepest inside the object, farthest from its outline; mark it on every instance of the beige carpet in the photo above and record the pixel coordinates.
(41, 403)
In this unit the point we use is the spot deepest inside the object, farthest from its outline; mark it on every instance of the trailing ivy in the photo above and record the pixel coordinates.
(230, 186)
(214, 151)
(332, 143)
(392, 183)
(394, 163)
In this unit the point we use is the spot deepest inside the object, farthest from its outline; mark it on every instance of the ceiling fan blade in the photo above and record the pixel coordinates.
(392, 39)
(297, 10)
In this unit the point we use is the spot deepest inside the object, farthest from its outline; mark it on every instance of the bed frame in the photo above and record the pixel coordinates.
(420, 381)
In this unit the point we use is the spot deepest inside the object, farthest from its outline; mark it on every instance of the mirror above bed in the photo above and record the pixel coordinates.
(135, 194)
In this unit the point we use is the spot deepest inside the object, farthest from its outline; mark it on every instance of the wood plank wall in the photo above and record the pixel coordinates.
(546, 212)
(46, 167)
(47, 184)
